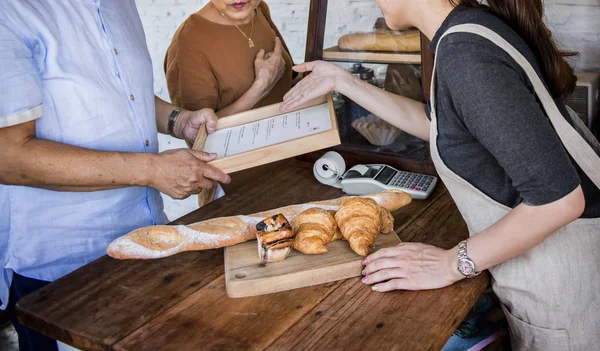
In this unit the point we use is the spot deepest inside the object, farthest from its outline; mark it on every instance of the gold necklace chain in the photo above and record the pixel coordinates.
(250, 42)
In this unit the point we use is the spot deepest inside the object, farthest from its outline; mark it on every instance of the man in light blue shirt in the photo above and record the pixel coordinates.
(78, 140)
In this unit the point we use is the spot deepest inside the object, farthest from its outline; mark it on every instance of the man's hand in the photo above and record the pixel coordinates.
(182, 172)
(188, 123)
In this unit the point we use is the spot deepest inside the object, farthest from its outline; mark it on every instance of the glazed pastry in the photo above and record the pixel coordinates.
(275, 238)
(314, 228)
(359, 220)
(272, 223)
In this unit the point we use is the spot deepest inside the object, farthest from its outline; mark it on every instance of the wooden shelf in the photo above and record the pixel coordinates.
(335, 54)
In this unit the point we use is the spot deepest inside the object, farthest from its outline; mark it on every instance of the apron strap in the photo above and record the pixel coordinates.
(574, 143)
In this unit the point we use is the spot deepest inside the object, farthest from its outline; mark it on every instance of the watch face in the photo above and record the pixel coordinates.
(466, 267)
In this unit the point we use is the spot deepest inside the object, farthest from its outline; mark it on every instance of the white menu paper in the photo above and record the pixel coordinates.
(269, 131)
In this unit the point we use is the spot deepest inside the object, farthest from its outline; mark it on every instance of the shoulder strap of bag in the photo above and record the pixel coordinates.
(574, 143)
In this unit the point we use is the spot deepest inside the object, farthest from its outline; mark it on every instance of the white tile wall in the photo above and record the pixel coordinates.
(575, 24)
(577, 28)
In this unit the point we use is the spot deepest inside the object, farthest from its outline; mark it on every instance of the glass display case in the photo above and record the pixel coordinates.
(353, 35)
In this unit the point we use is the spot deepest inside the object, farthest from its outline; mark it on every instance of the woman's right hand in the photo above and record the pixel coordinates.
(324, 78)
(269, 68)
(180, 173)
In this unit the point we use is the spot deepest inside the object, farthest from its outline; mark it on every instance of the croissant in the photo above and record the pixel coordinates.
(314, 228)
(359, 220)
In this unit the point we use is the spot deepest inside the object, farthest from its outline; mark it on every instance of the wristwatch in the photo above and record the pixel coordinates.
(171, 124)
(465, 266)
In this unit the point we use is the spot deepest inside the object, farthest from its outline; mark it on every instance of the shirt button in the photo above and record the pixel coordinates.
(131, 97)
(115, 51)
(147, 143)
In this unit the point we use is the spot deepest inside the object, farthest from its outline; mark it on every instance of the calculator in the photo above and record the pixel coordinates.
(367, 179)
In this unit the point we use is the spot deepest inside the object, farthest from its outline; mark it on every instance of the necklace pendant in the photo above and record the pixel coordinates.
(250, 43)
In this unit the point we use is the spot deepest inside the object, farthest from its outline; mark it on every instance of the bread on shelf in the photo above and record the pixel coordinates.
(382, 41)
(376, 131)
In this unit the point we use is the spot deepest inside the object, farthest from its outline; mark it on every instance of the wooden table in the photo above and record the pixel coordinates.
(179, 303)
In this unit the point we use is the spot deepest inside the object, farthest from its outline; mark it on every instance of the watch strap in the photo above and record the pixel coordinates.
(171, 123)
(462, 256)
(462, 249)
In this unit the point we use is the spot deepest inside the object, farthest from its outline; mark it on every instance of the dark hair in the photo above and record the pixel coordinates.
(526, 18)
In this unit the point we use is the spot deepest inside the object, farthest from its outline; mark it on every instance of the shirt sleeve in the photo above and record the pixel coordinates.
(498, 106)
(190, 78)
(20, 90)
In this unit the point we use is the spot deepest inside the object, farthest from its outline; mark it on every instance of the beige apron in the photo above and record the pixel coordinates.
(551, 294)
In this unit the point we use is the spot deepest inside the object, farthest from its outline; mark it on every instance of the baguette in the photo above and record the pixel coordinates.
(382, 40)
(163, 240)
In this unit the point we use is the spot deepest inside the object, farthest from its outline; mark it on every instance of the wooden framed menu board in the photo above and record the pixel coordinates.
(264, 135)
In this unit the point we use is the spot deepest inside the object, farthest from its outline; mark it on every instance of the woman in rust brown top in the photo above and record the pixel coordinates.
(230, 57)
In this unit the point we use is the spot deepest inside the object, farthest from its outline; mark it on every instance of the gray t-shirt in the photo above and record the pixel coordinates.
(492, 130)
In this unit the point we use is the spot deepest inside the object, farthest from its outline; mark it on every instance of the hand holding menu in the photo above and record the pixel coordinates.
(264, 135)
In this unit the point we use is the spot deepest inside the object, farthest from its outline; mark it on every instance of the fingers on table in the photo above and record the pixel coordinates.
(394, 284)
(394, 251)
(385, 275)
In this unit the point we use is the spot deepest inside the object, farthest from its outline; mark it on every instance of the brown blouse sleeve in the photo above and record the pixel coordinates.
(190, 78)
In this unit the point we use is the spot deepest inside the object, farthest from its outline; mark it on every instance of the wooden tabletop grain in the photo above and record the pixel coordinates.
(179, 302)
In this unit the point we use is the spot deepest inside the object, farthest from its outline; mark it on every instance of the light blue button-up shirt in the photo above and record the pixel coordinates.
(80, 69)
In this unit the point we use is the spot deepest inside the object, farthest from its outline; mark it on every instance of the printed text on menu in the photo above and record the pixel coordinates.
(269, 131)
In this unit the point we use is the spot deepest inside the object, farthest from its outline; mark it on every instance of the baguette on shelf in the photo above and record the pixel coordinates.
(163, 240)
(382, 41)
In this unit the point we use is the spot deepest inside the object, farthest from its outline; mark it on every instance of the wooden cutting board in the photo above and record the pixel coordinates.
(245, 275)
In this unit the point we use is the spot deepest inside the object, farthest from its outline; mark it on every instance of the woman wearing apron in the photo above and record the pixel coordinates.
(522, 169)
